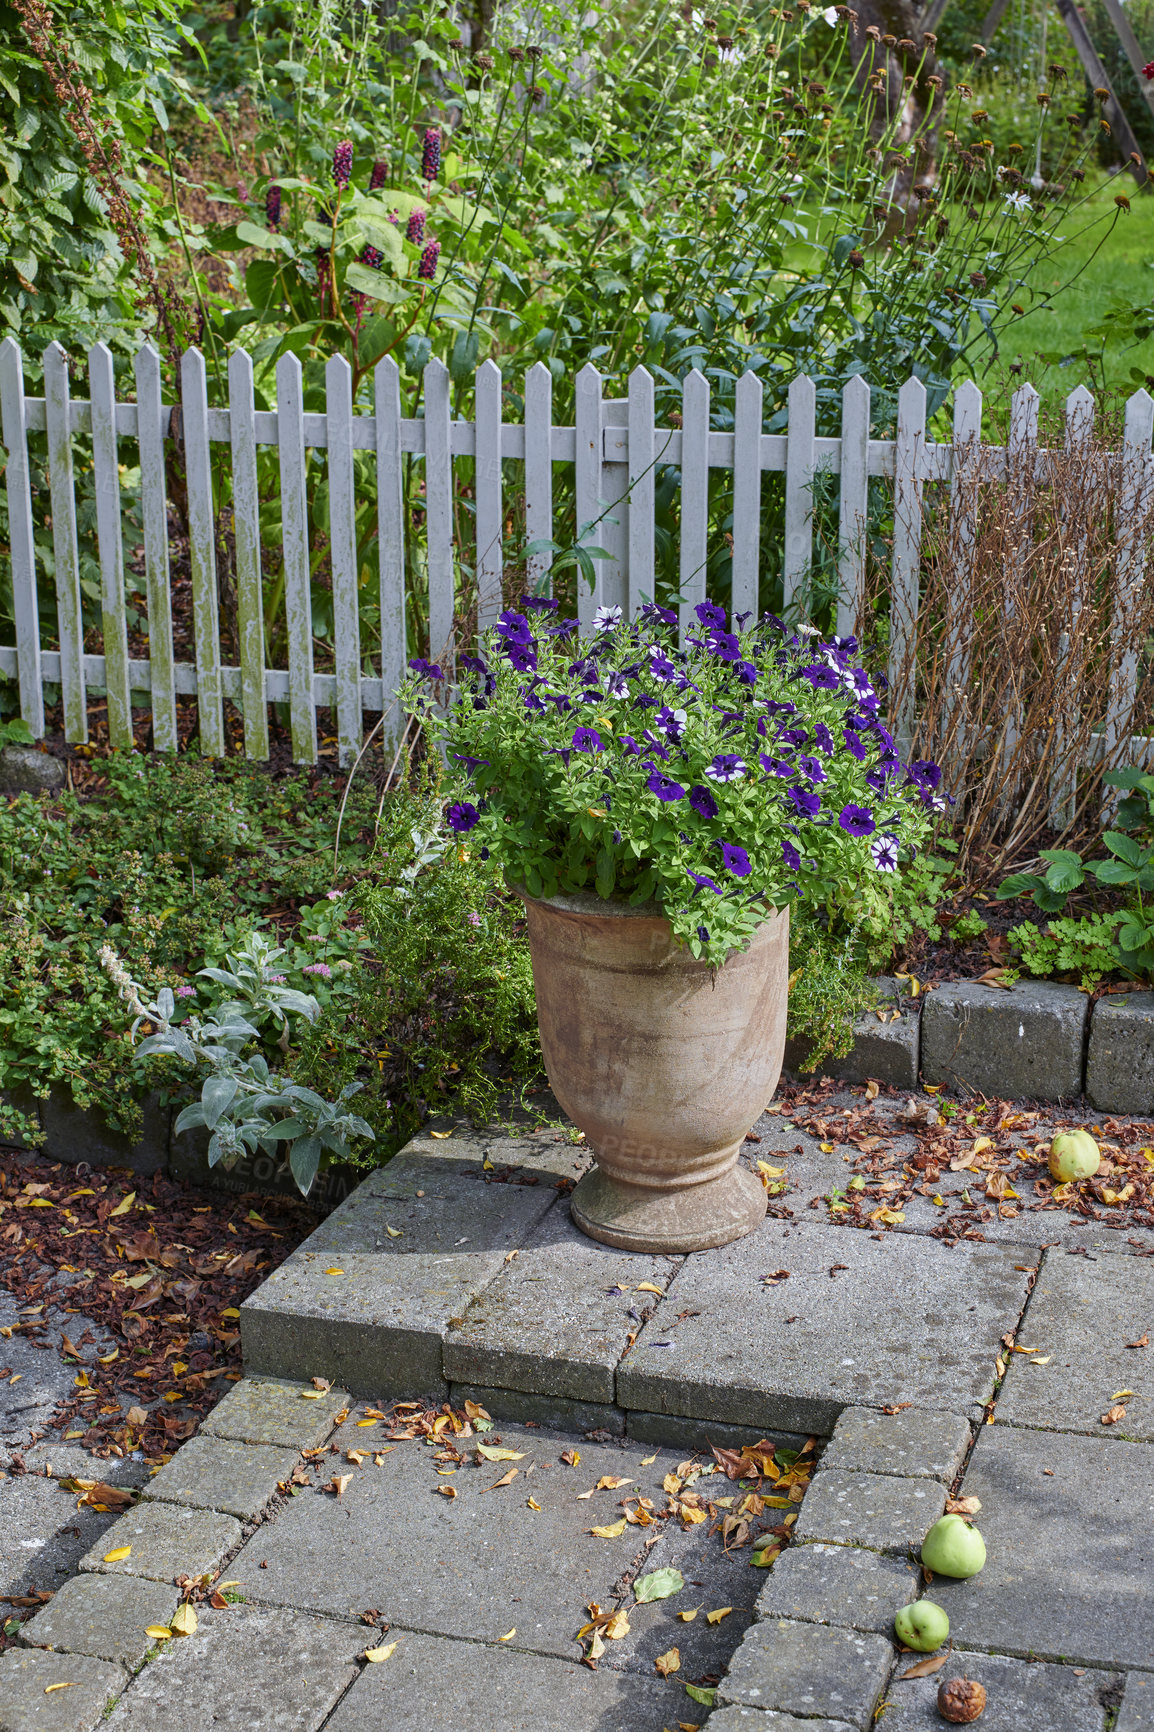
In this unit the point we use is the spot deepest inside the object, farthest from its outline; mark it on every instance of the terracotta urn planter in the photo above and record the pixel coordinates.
(664, 1062)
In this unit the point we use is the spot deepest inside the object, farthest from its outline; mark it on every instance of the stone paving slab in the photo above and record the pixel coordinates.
(377, 1326)
(1020, 1696)
(558, 1317)
(885, 1050)
(219, 1473)
(1026, 1044)
(166, 1542)
(475, 1565)
(1070, 1552)
(27, 1673)
(917, 1443)
(273, 1410)
(43, 1535)
(558, 1412)
(432, 1681)
(838, 1584)
(1137, 1704)
(738, 1719)
(245, 1670)
(1080, 1317)
(102, 1615)
(697, 1434)
(879, 1511)
(1120, 1054)
(809, 1670)
(903, 1319)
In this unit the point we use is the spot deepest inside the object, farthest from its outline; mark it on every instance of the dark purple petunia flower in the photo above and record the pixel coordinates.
(876, 779)
(811, 767)
(925, 774)
(522, 656)
(430, 670)
(562, 627)
(776, 766)
(629, 745)
(746, 673)
(822, 738)
(672, 722)
(821, 677)
(736, 860)
(856, 820)
(854, 746)
(776, 709)
(588, 740)
(703, 934)
(461, 816)
(793, 737)
(471, 764)
(791, 856)
(702, 801)
(884, 849)
(710, 614)
(704, 883)
(655, 615)
(805, 804)
(724, 645)
(726, 767)
(662, 668)
(474, 664)
(665, 787)
(539, 604)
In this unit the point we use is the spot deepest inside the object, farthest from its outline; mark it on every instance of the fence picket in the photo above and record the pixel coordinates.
(439, 513)
(642, 491)
(20, 536)
(1079, 428)
(295, 544)
(694, 496)
(1136, 484)
(964, 534)
(106, 484)
(487, 491)
(905, 568)
(799, 472)
(246, 533)
(747, 419)
(1021, 465)
(588, 414)
(154, 516)
(539, 475)
(390, 536)
(65, 552)
(343, 555)
(853, 505)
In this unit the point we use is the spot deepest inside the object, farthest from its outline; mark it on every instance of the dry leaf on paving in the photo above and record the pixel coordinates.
(1113, 1415)
(596, 1646)
(184, 1620)
(447, 1490)
(490, 1453)
(158, 1632)
(668, 1662)
(378, 1654)
(924, 1668)
(618, 1627)
(610, 1482)
(1142, 1341)
(505, 1479)
(612, 1532)
(339, 1483)
(716, 1616)
(582, 1495)
(963, 1505)
(688, 1617)
(531, 1503)
(321, 1383)
(570, 1457)
(136, 1417)
(117, 1552)
(509, 1634)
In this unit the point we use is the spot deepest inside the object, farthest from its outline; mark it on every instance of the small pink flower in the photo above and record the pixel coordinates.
(186, 992)
(321, 968)
(474, 918)
(334, 895)
(275, 979)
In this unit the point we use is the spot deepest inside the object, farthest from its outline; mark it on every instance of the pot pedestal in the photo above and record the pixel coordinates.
(689, 1218)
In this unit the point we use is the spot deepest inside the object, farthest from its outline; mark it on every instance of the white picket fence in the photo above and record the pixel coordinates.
(616, 448)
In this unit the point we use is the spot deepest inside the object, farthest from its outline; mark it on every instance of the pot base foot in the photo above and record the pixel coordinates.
(694, 1218)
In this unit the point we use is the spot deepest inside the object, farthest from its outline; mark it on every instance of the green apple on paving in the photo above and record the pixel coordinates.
(922, 1625)
(953, 1548)
(1073, 1155)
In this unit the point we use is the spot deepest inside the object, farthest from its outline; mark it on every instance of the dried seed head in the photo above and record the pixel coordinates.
(961, 1700)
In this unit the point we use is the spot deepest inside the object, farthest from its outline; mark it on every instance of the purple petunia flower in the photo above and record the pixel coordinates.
(710, 614)
(726, 767)
(343, 163)
(472, 765)
(474, 664)
(854, 746)
(654, 615)
(321, 968)
(660, 665)
(430, 670)
(775, 766)
(672, 722)
(539, 604)
(606, 618)
(805, 804)
(746, 673)
(704, 883)
(703, 934)
(629, 745)
(427, 269)
(884, 849)
(925, 774)
(522, 656)
(431, 154)
(702, 801)
(461, 816)
(272, 206)
(616, 686)
(811, 767)
(725, 646)
(822, 738)
(793, 737)
(588, 740)
(736, 860)
(665, 787)
(515, 626)
(820, 677)
(776, 709)
(856, 820)
(791, 856)
(415, 227)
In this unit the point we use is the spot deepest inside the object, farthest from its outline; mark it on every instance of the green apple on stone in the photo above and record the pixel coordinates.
(1073, 1155)
(953, 1548)
(922, 1626)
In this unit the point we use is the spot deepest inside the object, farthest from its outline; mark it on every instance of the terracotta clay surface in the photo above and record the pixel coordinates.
(664, 1062)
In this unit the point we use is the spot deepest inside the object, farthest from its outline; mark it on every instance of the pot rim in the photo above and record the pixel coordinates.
(584, 902)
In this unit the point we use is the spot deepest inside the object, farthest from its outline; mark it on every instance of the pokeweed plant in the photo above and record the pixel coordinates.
(719, 779)
(243, 1105)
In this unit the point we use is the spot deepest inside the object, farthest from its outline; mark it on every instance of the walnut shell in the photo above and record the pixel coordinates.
(961, 1700)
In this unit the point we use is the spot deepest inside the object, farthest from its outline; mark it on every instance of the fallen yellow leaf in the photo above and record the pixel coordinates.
(440, 1135)
(716, 1616)
(1121, 1394)
(924, 1668)
(617, 1627)
(123, 1207)
(509, 1634)
(612, 1532)
(394, 1232)
(531, 1503)
(505, 1479)
(158, 1632)
(378, 1654)
(230, 1312)
(668, 1662)
(693, 1516)
(48, 1688)
(334, 1271)
(361, 1423)
(648, 1287)
(648, 1460)
(311, 1394)
(671, 1484)
(770, 1172)
(610, 1482)
(447, 1490)
(688, 1617)
(184, 1621)
(117, 1552)
(492, 1453)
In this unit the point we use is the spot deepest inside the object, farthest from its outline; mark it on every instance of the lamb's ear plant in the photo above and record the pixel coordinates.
(720, 777)
(243, 1105)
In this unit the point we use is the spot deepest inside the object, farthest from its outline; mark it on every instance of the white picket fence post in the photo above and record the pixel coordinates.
(616, 454)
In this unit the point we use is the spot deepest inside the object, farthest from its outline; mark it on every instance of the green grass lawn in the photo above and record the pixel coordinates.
(1053, 344)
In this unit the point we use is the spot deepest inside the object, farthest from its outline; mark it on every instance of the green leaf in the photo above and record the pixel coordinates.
(705, 1697)
(377, 285)
(1018, 884)
(216, 1097)
(1125, 848)
(304, 1159)
(658, 1585)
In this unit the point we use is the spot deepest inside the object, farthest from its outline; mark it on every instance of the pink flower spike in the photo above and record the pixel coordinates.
(321, 968)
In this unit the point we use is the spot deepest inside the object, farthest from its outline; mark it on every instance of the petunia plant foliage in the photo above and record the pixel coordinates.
(720, 777)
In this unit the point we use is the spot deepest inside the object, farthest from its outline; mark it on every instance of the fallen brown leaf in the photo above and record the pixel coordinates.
(668, 1662)
(925, 1668)
(1142, 1341)
(1113, 1415)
